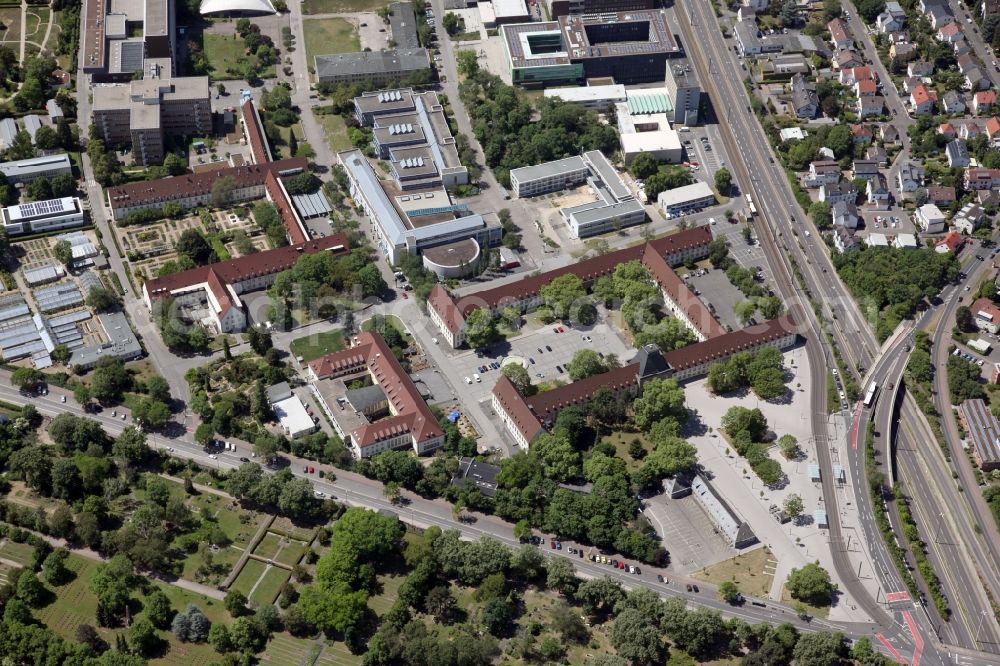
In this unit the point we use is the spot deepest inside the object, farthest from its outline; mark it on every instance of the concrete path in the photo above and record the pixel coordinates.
(238, 567)
(24, 28)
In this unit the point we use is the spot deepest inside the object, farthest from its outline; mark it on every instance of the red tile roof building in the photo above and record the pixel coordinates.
(217, 286)
(253, 131)
(950, 242)
(982, 179)
(526, 417)
(983, 101)
(448, 313)
(411, 422)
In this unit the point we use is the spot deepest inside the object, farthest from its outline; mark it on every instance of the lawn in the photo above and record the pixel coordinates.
(381, 321)
(269, 587)
(268, 546)
(314, 345)
(73, 603)
(291, 553)
(813, 611)
(223, 52)
(286, 649)
(252, 571)
(340, 6)
(5, 573)
(336, 132)
(21, 553)
(333, 35)
(337, 654)
(750, 571)
(238, 524)
(381, 603)
(621, 440)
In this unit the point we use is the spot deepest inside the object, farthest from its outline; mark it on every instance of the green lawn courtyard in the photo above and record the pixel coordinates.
(332, 35)
(223, 53)
(336, 132)
(340, 6)
(313, 346)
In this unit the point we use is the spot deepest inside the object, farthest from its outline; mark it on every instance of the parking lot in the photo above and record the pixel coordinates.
(556, 350)
(716, 291)
(683, 526)
(747, 255)
(703, 145)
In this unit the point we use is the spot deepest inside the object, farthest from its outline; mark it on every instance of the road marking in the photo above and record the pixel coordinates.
(893, 651)
(917, 638)
(897, 596)
(856, 427)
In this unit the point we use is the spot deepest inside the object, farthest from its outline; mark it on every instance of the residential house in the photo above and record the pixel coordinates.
(903, 51)
(957, 153)
(878, 154)
(988, 198)
(920, 68)
(823, 172)
(975, 80)
(847, 58)
(886, 22)
(993, 131)
(968, 219)
(839, 35)
(941, 196)
(911, 83)
(910, 177)
(831, 194)
(792, 63)
(895, 9)
(929, 219)
(805, 102)
(889, 134)
(947, 130)
(982, 179)
(866, 169)
(949, 33)
(951, 102)
(952, 242)
(905, 242)
(865, 87)
(923, 99)
(826, 153)
(877, 192)
(870, 106)
(939, 16)
(877, 240)
(845, 240)
(961, 46)
(970, 130)
(851, 75)
(861, 133)
(983, 102)
(845, 214)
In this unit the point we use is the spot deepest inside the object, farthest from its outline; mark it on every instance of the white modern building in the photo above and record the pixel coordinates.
(930, 219)
(42, 216)
(293, 417)
(25, 171)
(595, 98)
(687, 198)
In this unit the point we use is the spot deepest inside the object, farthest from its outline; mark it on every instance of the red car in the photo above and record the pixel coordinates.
(552, 544)
(312, 470)
(405, 295)
(621, 565)
(562, 330)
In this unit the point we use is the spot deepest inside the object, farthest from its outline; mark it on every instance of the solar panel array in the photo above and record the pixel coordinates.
(47, 207)
(58, 297)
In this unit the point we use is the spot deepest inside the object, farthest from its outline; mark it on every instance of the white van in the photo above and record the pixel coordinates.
(685, 128)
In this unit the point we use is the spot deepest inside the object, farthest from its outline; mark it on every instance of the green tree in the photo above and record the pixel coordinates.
(519, 377)
(222, 191)
(143, 638)
(811, 584)
(585, 363)
(174, 165)
(822, 648)
(745, 310)
(101, 299)
(236, 603)
(219, 639)
(110, 380)
(561, 576)
(723, 181)
(192, 244)
(468, 63)
(644, 165)
(637, 638)
(729, 592)
(789, 446)
(480, 328)
(661, 398)
(63, 252)
(964, 319)
(793, 506)
(56, 571)
(564, 295)
(30, 590)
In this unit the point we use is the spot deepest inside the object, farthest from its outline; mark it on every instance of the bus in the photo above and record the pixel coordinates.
(870, 394)
(753, 209)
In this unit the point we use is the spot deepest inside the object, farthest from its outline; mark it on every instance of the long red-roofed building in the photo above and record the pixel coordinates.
(410, 423)
(253, 130)
(216, 287)
(448, 312)
(526, 417)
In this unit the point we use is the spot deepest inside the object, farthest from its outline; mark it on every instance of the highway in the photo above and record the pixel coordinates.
(754, 163)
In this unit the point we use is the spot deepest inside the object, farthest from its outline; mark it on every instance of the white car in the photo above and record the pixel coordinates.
(320, 493)
(468, 380)
(213, 456)
(63, 399)
(477, 377)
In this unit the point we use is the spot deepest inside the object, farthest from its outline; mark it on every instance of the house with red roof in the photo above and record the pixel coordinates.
(216, 288)
(993, 130)
(949, 33)
(839, 36)
(951, 242)
(390, 413)
(983, 102)
(948, 130)
(923, 99)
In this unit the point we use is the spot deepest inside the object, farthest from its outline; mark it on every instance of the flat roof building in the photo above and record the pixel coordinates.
(630, 47)
(25, 171)
(687, 198)
(684, 89)
(42, 216)
(293, 417)
(562, 7)
(121, 343)
(482, 476)
(375, 67)
(596, 98)
(143, 113)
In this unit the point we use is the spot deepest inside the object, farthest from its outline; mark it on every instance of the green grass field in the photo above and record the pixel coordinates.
(17, 552)
(381, 603)
(232, 523)
(340, 6)
(248, 577)
(74, 604)
(315, 345)
(269, 587)
(291, 552)
(332, 35)
(335, 131)
(385, 320)
(337, 654)
(268, 546)
(286, 649)
(223, 52)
